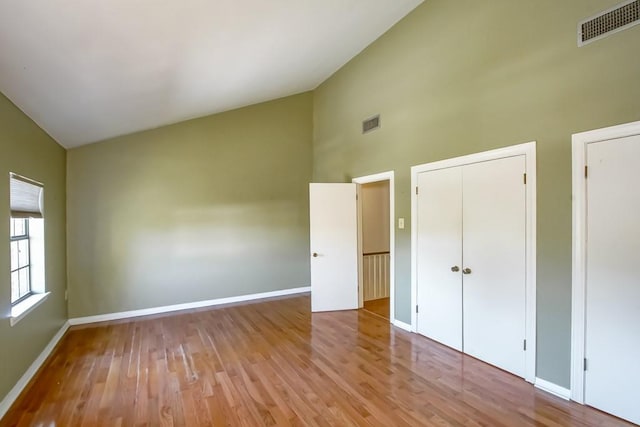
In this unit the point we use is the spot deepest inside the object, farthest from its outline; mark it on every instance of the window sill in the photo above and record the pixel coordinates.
(19, 311)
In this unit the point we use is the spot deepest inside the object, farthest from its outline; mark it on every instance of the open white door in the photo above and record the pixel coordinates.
(334, 246)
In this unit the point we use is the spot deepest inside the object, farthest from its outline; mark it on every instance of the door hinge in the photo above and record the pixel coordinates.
(416, 191)
(356, 197)
(416, 308)
(525, 179)
(524, 345)
(586, 171)
(585, 364)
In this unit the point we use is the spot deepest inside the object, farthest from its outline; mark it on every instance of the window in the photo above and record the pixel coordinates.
(20, 260)
(26, 238)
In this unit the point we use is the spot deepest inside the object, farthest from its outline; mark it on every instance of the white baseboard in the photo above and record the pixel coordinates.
(13, 394)
(402, 325)
(552, 388)
(185, 306)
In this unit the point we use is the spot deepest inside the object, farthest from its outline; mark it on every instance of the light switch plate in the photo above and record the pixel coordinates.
(401, 223)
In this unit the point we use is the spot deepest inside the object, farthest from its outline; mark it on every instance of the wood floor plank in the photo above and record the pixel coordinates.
(273, 363)
(378, 306)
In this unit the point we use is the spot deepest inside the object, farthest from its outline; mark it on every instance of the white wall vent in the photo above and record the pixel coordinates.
(618, 18)
(371, 124)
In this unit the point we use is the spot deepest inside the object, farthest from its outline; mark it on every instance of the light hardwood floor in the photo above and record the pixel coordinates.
(275, 363)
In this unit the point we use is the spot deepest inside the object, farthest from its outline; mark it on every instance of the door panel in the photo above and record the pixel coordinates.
(612, 339)
(439, 249)
(494, 304)
(334, 239)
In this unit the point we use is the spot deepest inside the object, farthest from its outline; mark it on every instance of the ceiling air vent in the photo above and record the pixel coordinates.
(610, 21)
(371, 124)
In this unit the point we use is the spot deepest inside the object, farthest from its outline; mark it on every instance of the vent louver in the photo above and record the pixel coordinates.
(371, 124)
(618, 18)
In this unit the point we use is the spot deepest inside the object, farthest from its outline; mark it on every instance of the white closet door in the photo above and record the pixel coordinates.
(494, 250)
(439, 249)
(612, 350)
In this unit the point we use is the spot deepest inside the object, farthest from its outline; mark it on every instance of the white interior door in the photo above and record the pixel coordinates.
(494, 235)
(439, 250)
(334, 246)
(612, 339)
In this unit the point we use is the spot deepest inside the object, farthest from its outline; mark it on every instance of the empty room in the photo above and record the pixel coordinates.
(320, 213)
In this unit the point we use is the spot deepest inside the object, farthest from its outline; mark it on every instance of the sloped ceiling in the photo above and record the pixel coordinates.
(94, 69)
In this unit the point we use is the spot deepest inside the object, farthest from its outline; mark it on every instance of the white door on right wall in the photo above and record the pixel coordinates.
(494, 262)
(612, 338)
(439, 256)
(471, 260)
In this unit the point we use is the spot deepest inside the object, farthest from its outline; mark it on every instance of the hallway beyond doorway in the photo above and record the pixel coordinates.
(378, 306)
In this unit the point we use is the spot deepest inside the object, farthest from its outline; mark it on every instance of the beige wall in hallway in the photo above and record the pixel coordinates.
(375, 216)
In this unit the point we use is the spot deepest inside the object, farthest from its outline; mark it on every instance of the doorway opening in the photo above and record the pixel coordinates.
(376, 231)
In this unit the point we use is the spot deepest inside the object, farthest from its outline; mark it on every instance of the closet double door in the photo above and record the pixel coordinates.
(471, 260)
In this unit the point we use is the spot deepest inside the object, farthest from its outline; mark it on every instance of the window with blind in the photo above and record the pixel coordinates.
(26, 238)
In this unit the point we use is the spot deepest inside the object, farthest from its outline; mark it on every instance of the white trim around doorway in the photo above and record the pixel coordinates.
(579, 244)
(527, 149)
(387, 176)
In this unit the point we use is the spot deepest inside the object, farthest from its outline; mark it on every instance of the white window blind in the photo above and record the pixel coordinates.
(26, 197)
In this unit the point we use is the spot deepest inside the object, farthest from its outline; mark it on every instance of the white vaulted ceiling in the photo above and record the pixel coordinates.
(87, 70)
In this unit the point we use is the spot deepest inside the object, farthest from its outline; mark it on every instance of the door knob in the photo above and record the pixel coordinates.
(466, 271)
(315, 254)
(455, 268)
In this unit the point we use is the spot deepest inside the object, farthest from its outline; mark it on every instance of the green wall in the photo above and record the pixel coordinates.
(203, 209)
(28, 151)
(458, 77)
